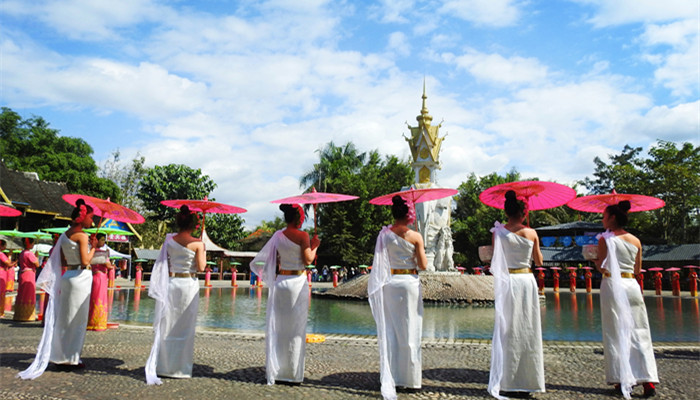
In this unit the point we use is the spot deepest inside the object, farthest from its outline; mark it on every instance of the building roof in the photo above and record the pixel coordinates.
(24, 190)
(570, 228)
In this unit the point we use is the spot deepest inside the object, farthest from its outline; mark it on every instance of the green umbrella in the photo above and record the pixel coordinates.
(363, 266)
(235, 263)
(140, 260)
(335, 267)
(36, 235)
(12, 233)
(311, 266)
(41, 253)
(56, 230)
(211, 263)
(109, 231)
(115, 257)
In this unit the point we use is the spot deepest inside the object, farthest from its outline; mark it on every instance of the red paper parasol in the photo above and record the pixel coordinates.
(539, 195)
(586, 267)
(315, 198)
(541, 269)
(673, 269)
(9, 211)
(598, 202)
(107, 209)
(415, 195)
(690, 266)
(571, 268)
(556, 268)
(656, 269)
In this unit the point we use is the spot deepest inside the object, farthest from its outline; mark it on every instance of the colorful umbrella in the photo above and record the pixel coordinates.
(538, 195)
(204, 206)
(541, 269)
(586, 267)
(690, 266)
(12, 233)
(6, 211)
(673, 269)
(571, 268)
(642, 270)
(35, 235)
(315, 198)
(555, 268)
(107, 209)
(598, 202)
(656, 269)
(414, 195)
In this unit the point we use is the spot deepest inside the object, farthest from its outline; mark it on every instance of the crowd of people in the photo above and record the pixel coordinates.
(76, 298)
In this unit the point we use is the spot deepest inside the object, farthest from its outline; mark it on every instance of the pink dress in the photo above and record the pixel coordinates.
(4, 271)
(26, 293)
(97, 317)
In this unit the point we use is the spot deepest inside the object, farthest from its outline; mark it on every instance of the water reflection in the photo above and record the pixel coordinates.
(562, 318)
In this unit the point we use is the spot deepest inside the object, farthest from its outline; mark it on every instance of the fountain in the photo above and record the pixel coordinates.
(441, 281)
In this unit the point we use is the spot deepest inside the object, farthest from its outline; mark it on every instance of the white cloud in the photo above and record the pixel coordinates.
(399, 44)
(498, 69)
(495, 13)
(393, 11)
(679, 124)
(619, 12)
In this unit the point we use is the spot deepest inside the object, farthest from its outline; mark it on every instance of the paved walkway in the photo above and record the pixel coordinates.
(230, 365)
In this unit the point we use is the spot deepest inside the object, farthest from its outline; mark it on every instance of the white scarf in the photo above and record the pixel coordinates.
(49, 280)
(502, 291)
(378, 278)
(158, 289)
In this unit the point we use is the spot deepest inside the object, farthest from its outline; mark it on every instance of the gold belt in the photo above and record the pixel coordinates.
(292, 272)
(520, 271)
(628, 275)
(403, 271)
(182, 275)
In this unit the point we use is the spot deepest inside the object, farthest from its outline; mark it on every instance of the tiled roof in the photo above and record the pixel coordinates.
(26, 191)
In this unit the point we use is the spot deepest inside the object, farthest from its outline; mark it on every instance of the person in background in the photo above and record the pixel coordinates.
(25, 302)
(97, 316)
(6, 267)
(175, 287)
(627, 347)
(517, 361)
(288, 298)
(397, 301)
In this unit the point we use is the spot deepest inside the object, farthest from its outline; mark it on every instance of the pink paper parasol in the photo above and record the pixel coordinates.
(656, 269)
(642, 270)
(586, 267)
(690, 266)
(204, 206)
(9, 211)
(107, 209)
(597, 203)
(315, 198)
(539, 195)
(414, 195)
(571, 268)
(541, 269)
(673, 269)
(556, 268)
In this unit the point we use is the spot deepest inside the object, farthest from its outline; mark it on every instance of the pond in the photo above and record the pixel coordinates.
(565, 316)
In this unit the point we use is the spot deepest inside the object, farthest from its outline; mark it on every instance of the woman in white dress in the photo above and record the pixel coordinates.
(517, 365)
(175, 287)
(629, 356)
(66, 317)
(288, 297)
(396, 300)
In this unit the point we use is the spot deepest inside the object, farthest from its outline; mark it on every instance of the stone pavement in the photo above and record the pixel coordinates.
(230, 365)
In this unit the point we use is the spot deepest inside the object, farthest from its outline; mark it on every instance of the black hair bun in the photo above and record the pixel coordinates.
(79, 202)
(625, 205)
(286, 207)
(398, 200)
(510, 195)
(184, 209)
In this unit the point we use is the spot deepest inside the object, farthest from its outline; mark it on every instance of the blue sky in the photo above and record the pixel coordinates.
(248, 90)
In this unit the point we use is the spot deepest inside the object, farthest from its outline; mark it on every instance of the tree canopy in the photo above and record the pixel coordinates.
(32, 145)
(170, 182)
(349, 229)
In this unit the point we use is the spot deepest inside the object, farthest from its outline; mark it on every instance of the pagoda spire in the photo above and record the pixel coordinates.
(425, 145)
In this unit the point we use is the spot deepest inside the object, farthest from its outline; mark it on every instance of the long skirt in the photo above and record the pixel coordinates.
(176, 354)
(72, 306)
(97, 317)
(110, 277)
(641, 353)
(3, 289)
(290, 300)
(523, 360)
(403, 311)
(25, 302)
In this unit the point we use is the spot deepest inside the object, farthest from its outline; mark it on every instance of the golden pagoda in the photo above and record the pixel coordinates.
(425, 147)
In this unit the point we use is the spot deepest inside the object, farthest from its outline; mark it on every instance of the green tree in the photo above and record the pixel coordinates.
(670, 173)
(170, 182)
(348, 229)
(226, 230)
(32, 145)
